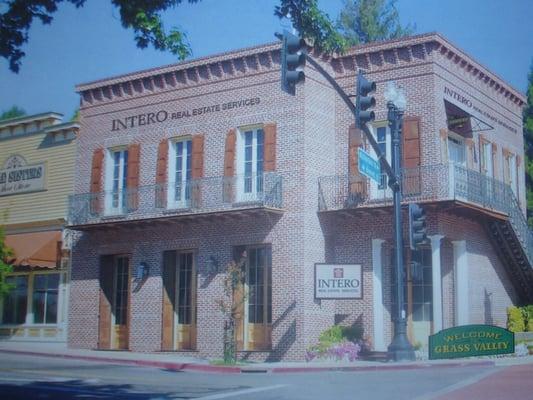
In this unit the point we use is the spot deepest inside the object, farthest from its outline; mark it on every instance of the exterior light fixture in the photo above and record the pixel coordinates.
(142, 271)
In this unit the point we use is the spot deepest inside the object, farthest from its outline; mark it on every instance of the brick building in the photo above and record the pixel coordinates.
(37, 154)
(183, 168)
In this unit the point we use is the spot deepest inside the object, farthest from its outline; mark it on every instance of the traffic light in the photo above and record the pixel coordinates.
(363, 101)
(293, 53)
(417, 226)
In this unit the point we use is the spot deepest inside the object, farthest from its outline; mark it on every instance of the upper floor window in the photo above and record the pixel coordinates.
(250, 143)
(486, 158)
(510, 171)
(456, 149)
(179, 174)
(116, 181)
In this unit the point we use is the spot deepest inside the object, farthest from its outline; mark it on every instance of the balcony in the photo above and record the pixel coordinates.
(430, 184)
(204, 196)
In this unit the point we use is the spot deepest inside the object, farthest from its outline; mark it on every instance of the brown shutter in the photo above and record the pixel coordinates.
(470, 159)
(482, 166)
(106, 296)
(269, 149)
(229, 165)
(238, 298)
(132, 180)
(444, 145)
(494, 161)
(169, 290)
(357, 181)
(411, 154)
(197, 169)
(161, 175)
(96, 181)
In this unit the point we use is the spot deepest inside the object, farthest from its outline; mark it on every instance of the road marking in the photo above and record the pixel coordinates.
(239, 392)
(458, 385)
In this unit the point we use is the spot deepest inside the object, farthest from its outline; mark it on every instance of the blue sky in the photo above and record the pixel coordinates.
(86, 44)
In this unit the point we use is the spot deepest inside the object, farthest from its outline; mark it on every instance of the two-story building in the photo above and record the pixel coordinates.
(37, 155)
(184, 168)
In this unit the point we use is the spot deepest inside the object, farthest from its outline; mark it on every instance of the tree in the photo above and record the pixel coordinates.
(364, 21)
(6, 253)
(145, 18)
(528, 144)
(76, 116)
(13, 112)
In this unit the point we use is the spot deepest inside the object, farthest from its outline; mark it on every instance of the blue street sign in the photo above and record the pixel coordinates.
(369, 166)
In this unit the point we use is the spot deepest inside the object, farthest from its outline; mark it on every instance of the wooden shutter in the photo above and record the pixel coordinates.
(357, 181)
(229, 166)
(239, 302)
(482, 166)
(494, 156)
(411, 155)
(96, 181)
(444, 145)
(106, 300)
(470, 156)
(161, 174)
(197, 172)
(132, 181)
(269, 148)
(169, 300)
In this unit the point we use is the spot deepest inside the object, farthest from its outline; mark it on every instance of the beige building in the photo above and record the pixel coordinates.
(36, 174)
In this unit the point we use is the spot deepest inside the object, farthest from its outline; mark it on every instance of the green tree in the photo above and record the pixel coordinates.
(76, 115)
(364, 21)
(528, 144)
(145, 18)
(13, 112)
(6, 253)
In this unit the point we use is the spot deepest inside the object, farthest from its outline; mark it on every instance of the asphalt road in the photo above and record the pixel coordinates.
(28, 377)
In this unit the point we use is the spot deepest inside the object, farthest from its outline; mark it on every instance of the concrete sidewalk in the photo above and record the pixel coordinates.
(181, 362)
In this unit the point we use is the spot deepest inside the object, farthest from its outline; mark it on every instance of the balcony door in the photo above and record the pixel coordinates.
(381, 191)
(116, 181)
(250, 164)
(179, 174)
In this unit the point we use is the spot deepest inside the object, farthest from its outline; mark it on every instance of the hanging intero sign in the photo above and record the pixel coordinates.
(338, 281)
(17, 176)
(469, 341)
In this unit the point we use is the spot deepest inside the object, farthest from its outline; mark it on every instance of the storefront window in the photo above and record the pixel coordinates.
(16, 301)
(259, 276)
(45, 295)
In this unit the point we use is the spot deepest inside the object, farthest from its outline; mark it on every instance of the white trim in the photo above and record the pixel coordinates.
(108, 182)
(255, 192)
(172, 203)
(377, 295)
(436, 276)
(461, 282)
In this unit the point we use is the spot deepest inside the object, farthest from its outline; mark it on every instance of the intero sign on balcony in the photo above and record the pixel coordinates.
(18, 177)
(469, 341)
(338, 281)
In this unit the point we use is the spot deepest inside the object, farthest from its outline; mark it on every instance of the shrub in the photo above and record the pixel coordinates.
(337, 343)
(528, 314)
(515, 319)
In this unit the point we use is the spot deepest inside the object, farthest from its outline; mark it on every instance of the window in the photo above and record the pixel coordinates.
(422, 286)
(184, 287)
(456, 149)
(486, 158)
(45, 295)
(259, 281)
(16, 301)
(510, 171)
(179, 193)
(116, 181)
(250, 164)
(121, 291)
(383, 138)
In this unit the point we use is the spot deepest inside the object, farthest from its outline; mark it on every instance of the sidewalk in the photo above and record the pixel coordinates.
(180, 362)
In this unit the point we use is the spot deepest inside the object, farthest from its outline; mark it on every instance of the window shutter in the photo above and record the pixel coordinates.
(269, 149)
(197, 169)
(470, 156)
(132, 181)
(482, 166)
(494, 156)
(444, 145)
(106, 296)
(411, 154)
(229, 165)
(357, 181)
(96, 181)
(161, 174)
(169, 291)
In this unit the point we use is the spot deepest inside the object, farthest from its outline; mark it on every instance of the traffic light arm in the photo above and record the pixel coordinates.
(393, 181)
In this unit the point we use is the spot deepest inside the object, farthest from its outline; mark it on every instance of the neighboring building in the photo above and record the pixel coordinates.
(37, 155)
(181, 169)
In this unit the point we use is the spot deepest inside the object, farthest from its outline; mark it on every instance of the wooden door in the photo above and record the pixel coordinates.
(105, 302)
(121, 300)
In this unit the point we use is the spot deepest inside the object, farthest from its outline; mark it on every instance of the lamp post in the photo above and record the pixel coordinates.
(400, 348)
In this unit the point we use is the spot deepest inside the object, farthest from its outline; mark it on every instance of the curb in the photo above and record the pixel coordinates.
(193, 367)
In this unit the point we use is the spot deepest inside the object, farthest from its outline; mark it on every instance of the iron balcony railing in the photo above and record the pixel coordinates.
(428, 183)
(194, 196)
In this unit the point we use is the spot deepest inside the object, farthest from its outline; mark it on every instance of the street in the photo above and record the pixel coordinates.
(29, 377)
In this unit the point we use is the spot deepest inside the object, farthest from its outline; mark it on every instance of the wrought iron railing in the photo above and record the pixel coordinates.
(428, 183)
(192, 197)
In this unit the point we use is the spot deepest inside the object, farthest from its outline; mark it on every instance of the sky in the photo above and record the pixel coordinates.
(86, 44)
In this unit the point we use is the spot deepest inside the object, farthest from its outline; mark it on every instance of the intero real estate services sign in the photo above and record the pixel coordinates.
(338, 281)
(469, 341)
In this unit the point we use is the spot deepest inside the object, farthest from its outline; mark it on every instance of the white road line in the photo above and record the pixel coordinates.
(239, 392)
(458, 385)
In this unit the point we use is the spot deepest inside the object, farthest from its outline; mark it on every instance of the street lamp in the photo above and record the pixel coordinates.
(400, 348)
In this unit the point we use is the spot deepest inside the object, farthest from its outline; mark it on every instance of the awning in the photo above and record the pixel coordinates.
(462, 122)
(36, 249)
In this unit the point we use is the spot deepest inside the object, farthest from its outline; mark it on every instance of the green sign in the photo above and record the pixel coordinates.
(469, 341)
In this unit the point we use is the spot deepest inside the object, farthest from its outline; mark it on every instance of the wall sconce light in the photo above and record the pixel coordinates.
(142, 271)
(212, 265)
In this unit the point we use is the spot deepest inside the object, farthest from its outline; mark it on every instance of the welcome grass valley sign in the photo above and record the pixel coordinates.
(469, 341)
